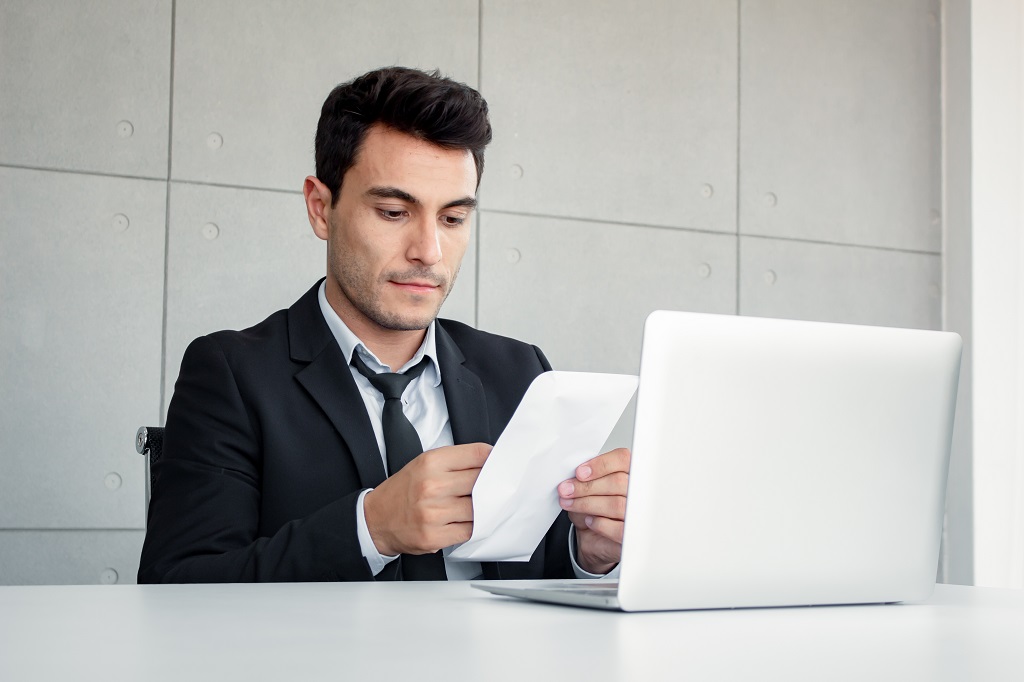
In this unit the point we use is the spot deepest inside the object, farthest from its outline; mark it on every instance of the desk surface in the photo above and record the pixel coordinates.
(331, 631)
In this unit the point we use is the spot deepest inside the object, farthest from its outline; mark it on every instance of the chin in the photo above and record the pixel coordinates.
(405, 323)
(408, 325)
(406, 315)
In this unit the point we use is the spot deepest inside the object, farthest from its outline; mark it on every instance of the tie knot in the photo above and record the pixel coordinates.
(390, 384)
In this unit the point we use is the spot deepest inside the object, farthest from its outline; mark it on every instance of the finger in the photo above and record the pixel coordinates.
(434, 488)
(610, 506)
(612, 484)
(605, 527)
(461, 510)
(441, 537)
(455, 533)
(458, 483)
(457, 457)
(600, 550)
(602, 465)
(579, 520)
(439, 514)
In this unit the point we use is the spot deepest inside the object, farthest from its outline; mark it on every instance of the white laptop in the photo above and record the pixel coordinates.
(779, 463)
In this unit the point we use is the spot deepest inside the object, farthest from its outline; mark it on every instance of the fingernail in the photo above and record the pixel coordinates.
(584, 472)
(589, 521)
(566, 488)
(566, 503)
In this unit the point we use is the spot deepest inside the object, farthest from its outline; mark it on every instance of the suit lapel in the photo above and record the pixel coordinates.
(463, 392)
(329, 382)
(467, 407)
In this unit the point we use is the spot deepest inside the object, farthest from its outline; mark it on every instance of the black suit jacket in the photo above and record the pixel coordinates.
(268, 445)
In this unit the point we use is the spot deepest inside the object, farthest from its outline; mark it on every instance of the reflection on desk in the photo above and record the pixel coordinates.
(449, 631)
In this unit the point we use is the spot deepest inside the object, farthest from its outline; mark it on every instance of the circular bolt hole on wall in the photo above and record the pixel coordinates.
(120, 222)
(125, 129)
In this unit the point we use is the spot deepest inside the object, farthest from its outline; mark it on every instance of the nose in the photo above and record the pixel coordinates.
(424, 242)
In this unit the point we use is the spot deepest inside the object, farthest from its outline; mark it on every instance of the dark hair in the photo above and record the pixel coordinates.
(428, 106)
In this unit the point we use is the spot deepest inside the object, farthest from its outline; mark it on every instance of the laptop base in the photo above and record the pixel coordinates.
(588, 594)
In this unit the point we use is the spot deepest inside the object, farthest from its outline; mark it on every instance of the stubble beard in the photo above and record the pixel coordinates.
(357, 287)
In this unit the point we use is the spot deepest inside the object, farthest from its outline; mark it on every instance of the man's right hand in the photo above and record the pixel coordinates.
(427, 504)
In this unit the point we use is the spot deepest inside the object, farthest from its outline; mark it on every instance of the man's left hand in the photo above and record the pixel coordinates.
(596, 502)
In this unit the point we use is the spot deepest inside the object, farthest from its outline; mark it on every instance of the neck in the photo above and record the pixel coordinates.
(394, 352)
(393, 347)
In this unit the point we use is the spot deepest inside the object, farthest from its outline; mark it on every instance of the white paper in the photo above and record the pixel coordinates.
(562, 421)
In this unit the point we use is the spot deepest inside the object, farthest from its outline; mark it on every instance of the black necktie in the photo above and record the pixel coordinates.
(401, 442)
(402, 445)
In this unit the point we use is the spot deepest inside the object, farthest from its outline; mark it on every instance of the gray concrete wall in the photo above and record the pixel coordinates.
(771, 157)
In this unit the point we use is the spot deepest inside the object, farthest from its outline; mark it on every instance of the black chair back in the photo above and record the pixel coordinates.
(149, 442)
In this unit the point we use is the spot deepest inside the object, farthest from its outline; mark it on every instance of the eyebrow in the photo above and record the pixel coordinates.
(402, 195)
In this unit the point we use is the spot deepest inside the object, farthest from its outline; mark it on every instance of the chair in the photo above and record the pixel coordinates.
(149, 442)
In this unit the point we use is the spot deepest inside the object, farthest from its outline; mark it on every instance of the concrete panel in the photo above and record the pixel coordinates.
(249, 79)
(612, 111)
(581, 291)
(81, 287)
(70, 557)
(86, 86)
(840, 122)
(802, 281)
(235, 256)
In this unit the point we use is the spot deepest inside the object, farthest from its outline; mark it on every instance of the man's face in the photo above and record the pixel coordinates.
(399, 230)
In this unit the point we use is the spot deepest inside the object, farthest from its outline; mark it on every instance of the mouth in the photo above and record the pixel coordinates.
(416, 286)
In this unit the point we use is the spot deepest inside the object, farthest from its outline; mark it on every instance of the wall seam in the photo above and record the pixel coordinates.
(698, 231)
(224, 185)
(479, 215)
(62, 529)
(74, 171)
(167, 221)
(739, 15)
(942, 575)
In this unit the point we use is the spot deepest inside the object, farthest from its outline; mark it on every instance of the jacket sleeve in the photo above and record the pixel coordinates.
(204, 515)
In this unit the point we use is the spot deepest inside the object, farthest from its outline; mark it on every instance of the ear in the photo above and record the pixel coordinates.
(318, 205)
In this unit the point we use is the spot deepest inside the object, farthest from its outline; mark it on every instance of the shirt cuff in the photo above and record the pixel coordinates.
(580, 573)
(376, 560)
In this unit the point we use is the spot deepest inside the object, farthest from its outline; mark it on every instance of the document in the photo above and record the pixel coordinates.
(562, 421)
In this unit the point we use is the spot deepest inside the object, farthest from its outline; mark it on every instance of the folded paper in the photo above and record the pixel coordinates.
(562, 421)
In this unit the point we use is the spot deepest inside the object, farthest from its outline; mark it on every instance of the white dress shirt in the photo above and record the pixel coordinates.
(424, 405)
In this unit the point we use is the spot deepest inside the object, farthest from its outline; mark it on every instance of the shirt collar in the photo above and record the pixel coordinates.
(350, 343)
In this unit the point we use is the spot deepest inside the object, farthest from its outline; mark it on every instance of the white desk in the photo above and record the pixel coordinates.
(326, 631)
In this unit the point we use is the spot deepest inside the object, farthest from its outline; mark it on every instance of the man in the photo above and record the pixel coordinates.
(285, 459)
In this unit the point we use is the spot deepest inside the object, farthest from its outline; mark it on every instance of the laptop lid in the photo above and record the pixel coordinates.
(780, 462)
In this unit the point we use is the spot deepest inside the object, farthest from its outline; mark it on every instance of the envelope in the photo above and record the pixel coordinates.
(562, 421)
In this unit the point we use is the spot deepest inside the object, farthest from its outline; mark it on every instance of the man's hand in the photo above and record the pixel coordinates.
(596, 502)
(426, 505)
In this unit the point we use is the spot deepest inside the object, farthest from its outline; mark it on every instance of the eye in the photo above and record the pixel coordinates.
(391, 214)
(452, 220)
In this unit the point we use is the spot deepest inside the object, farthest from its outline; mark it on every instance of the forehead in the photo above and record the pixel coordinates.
(389, 158)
